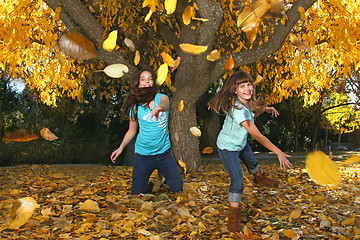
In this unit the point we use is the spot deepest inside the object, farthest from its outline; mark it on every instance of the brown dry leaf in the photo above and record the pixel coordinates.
(21, 211)
(208, 150)
(214, 56)
(137, 57)
(77, 46)
(47, 134)
(20, 135)
(167, 59)
(188, 14)
(195, 131)
(298, 43)
(162, 73)
(193, 49)
(229, 63)
(130, 44)
(181, 105)
(251, 14)
(110, 43)
(176, 63)
(89, 205)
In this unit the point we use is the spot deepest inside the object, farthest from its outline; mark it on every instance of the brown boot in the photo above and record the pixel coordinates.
(261, 179)
(234, 219)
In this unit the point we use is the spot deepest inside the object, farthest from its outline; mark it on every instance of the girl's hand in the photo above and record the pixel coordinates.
(272, 111)
(284, 162)
(115, 154)
(155, 112)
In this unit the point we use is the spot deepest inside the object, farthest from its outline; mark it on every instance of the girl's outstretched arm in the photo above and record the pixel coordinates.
(272, 111)
(163, 106)
(250, 126)
(130, 134)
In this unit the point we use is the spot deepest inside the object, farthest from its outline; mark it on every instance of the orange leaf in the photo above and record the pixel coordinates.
(167, 59)
(181, 105)
(208, 150)
(77, 46)
(21, 135)
(188, 14)
(229, 64)
(193, 49)
(176, 63)
(258, 79)
(297, 42)
(47, 134)
(195, 131)
(289, 233)
(137, 57)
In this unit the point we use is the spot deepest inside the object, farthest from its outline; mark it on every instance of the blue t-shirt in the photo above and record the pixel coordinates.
(153, 137)
(233, 136)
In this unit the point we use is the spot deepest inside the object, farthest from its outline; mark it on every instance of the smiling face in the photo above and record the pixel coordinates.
(244, 91)
(146, 79)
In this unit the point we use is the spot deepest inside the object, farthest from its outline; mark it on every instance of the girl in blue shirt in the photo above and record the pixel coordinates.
(237, 100)
(149, 111)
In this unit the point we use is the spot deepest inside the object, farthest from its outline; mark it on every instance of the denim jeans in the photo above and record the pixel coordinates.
(231, 161)
(144, 165)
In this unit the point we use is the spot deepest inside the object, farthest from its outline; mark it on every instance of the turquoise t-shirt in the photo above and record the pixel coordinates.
(153, 137)
(233, 136)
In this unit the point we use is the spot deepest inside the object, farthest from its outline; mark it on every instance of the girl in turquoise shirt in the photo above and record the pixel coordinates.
(237, 100)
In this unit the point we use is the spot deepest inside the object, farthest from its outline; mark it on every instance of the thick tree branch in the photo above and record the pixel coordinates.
(339, 105)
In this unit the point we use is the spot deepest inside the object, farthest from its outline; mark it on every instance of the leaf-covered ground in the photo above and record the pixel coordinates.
(298, 209)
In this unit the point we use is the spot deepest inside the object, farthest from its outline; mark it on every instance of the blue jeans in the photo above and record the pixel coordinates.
(231, 161)
(144, 165)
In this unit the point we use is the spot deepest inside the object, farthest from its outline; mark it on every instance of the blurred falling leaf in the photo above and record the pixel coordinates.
(251, 14)
(162, 73)
(170, 6)
(47, 134)
(258, 79)
(116, 70)
(77, 46)
(167, 59)
(176, 63)
(188, 14)
(299, 57)
(251, 33)
(20, 135)
(276, 6)
(110, 43)
(353, 159)
(193, 49)
(181, 105)
(297, 42)
(321, 169)
(21, 211)
(208, 150)
(290, 233)
(201, 19)
(229, 63)
(148, 15)
(183, 165)
(195, 131)
(137, 57)
(89, 205)
(214, 56)
(130, 44)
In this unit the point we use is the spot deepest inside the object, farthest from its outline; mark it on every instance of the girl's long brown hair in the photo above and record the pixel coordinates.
(226, 97)
(138, 96)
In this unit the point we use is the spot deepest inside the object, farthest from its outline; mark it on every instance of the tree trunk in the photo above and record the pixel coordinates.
(316, 125)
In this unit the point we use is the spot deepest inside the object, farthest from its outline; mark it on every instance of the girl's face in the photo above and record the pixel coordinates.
(146, 80)
(244, 91)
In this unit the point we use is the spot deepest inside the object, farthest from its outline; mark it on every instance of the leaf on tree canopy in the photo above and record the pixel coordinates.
(229, 63)
(77, 46)
(162, 73)
(207, 150)
(297, 42)
(167, 59)
(20, 135)
(193, 49)
(188, 14)
(251, 14)
(130, 44)
(137, 57)
(116, 70)
(195, 131)
(21, 211)
(47, 134)
(321, 169)
(170, 6)
(176, 63)
(214, 56)
(181, 105)
(110, 42)
(353, 159)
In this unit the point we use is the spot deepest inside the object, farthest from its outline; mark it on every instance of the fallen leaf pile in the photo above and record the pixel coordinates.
(93, 202)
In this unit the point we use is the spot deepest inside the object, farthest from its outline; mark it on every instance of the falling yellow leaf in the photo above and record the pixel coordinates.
(148, 15)
(130, 44)
(299, 57)
(201, 19)
(77, 46)
(110, 43)
(276, 6)
(176, 63)
(208, 150)
(258, 79)
(116, 70)
(195, 131)
(137, 57)
(89, 205)
(321, 169)
(298, 43)
(167, 59)
(353, 159)
(20, 135)
(181, 105)
(214, 56)
(290, 233)
(251, 33)
(188, 14)
(251, 14)
(193, 49)
(47, 134)
(162, 74)
(21, 211)
(170, 6)
(229, 63)
(183, 165)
